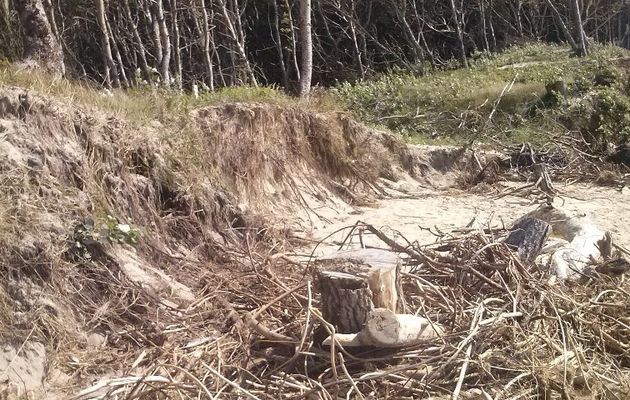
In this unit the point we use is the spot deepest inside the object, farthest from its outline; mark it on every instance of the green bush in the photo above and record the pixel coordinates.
(611, 116)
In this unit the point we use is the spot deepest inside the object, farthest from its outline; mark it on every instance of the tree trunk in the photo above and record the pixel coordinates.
(294, 52)
(106, 49)
(278, 41)
(119, 67)
(484, 25)
(41, 47)
(207, 57)
(176, 46)
(579, 29)
(240, 45)
(165, 39)
(138, 46)
(492, 33)
(306, 37)
(560, 22)
(460, 34)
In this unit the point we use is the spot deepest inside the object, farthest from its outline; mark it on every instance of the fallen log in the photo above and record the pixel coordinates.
(577, 242)
(385, 329)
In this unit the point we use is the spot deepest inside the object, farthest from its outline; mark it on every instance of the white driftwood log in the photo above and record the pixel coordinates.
(386, 329)
(577, 242)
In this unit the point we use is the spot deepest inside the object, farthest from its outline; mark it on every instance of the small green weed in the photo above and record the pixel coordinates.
(87, 233)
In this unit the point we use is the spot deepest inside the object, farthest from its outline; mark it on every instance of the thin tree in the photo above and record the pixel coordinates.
(106, 48)
(165, 40)
(306, 74)
(582, 44)
(207, 56)
(138, 45)
(459, 30)
(563, 26)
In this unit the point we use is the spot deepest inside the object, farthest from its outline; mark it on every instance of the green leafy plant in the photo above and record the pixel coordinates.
(611, 116)
(87, 233)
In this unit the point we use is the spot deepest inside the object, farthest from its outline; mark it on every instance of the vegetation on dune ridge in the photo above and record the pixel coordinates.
(141, 104)
(453, 105)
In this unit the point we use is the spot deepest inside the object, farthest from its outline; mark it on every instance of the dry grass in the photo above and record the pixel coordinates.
(136, 105)
(510, 334)
(179, 183)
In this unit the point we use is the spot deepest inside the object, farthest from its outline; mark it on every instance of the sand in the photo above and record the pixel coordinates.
(430, 212)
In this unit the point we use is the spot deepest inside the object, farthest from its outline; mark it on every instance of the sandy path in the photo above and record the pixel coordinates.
(454, 209)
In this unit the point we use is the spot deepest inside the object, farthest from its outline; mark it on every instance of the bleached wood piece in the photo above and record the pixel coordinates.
(579, 244)
(385, 329)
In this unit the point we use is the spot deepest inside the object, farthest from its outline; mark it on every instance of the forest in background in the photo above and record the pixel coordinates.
(219, 43)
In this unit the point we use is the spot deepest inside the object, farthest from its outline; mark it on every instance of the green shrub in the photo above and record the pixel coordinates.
(611, 116)
(607, 75)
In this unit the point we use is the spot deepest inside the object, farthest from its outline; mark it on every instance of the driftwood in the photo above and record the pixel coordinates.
(528, 236)
(576, 245)
(386, 329)
(543, 181)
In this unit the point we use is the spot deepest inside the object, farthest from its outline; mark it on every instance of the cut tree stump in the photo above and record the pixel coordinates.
(352, 283)
(528, 237)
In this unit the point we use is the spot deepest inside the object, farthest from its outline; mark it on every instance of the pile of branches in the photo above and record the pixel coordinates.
(510, 333)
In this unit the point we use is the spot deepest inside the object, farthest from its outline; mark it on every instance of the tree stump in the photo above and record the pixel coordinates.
(352, 283)
(528, 236)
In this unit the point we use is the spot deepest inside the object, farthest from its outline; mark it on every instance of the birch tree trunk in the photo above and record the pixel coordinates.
(166, 44)
(278, 42)
(118, 68)
(307, 48)
(239, 45)
(560, 22)
(138, 46)
(460, 34)
(111, 76)
(207, 56)
(482, 9)
(176, 46)
(579, 29)
(296, 64)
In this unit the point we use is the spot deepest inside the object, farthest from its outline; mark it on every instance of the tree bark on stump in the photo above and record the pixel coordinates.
(346, 300)
(353, 283)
